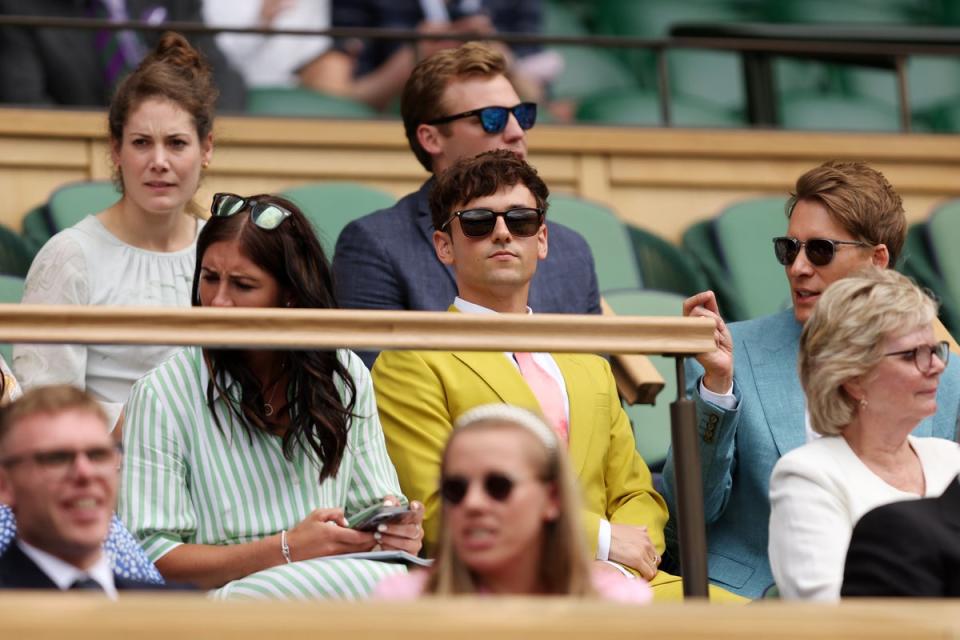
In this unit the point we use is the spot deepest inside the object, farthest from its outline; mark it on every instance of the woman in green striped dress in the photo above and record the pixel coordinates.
(240, 466)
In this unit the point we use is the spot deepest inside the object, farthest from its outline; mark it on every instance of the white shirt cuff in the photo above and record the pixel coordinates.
(603, 541)
(726, 400)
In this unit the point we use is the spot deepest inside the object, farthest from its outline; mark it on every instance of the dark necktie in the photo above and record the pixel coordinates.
(86, 584)
(119, 51)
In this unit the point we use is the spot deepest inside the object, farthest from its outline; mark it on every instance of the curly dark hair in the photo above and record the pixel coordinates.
(319, 416)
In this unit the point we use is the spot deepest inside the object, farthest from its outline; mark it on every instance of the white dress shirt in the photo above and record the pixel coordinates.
(64, 574)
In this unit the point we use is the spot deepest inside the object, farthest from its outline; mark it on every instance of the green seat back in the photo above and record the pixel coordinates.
(943, 229)
(330, 206)
(916, 262)
(607, 236)
(15, 255)
(642, 108)
(651, 423)
(664, 266)
(744, 234)
(700, 244)
(11, 291)
(837, 113)
(297, 102)
(35, 228)
(73, 202)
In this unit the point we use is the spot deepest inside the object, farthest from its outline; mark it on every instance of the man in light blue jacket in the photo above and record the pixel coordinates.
(751, 410)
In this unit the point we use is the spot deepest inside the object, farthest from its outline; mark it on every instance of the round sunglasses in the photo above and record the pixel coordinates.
(265, 215)
(498, 486)
(820, 251)
(494, 119)
(522, 222)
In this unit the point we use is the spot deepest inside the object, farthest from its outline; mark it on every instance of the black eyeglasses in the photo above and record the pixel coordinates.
(61, 460)
(494, 119)
(820, 251)
(922, 355)
(476, 223)
(265, 215)
(498, 486)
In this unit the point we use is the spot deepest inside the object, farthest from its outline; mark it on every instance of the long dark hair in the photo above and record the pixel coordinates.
(319, 417)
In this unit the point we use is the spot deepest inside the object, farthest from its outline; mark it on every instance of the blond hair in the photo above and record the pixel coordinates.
(564, 566)
(49, 400)
(844, 338)
(860, 199)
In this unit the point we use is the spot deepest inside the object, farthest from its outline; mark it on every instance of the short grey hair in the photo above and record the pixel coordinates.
(844, 338)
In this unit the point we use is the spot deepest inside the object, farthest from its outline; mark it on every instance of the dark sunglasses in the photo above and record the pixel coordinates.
(494, 119)
(820, 251)
(477, 223)
(922, 355)
(498, 486)
(265, 215)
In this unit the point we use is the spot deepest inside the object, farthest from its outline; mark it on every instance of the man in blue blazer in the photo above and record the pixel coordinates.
(59, 471)
(457, 103)
(750, 406)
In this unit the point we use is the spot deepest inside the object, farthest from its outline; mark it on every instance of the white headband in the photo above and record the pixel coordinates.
(514, 415)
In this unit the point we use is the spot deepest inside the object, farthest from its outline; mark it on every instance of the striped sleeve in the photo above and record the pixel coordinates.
(373, 475)
(154, 500)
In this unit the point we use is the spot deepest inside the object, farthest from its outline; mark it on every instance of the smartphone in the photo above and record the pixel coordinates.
(369, 518)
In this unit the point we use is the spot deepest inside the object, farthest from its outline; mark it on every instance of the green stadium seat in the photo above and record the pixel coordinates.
(942, 231)
(664, 266)
(916, 262)
(837, 113)
(607, 236)
(35, 228)
(73, 202)
(700, 244)
(330, 206)
(651, 423)
(588, 71)
(11, 291)
(15, 255)
(642, 108)
(304, 103)
(744, 233)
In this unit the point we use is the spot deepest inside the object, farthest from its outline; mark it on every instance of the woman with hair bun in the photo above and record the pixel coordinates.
(140, 250)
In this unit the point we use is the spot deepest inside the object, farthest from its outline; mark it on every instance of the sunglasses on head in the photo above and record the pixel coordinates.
(494, 119)
(522, 222)
(497, 486)
(265, 215)
(820, 251)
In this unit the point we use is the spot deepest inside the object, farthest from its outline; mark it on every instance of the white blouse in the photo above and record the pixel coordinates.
(818, 492)
(86, 264)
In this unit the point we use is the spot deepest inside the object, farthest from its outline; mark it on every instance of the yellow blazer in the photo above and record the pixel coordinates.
(421, 393)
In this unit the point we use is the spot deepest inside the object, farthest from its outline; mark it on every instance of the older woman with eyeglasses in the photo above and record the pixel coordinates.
(510, 520)
(870, 366)
(843, 216)
(242, 466)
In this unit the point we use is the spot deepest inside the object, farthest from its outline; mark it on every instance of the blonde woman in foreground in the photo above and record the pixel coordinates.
(509, 524)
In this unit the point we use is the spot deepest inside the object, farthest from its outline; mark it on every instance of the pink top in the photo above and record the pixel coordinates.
(612, 587)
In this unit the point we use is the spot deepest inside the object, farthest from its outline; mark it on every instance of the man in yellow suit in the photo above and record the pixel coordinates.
(488, 212)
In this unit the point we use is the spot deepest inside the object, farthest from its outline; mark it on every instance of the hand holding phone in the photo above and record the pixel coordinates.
(371, 517)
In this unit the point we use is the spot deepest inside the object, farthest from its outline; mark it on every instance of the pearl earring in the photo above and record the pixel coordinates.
(863, 403)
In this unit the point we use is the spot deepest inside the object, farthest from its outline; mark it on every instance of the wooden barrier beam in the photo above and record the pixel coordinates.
(164, 616)
(355, 329)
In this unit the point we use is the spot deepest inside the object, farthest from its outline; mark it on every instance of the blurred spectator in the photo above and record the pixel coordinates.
(269, 61)
(82, 67)
(375, 71)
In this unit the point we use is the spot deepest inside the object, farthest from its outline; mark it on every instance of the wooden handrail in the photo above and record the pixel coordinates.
(325, 329)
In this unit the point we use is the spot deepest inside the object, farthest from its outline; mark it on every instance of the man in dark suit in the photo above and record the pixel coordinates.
(386, 260)
(909, 548)
(64, 67)
(59, 472)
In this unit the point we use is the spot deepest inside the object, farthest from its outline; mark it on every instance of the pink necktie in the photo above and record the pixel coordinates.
(547, 392)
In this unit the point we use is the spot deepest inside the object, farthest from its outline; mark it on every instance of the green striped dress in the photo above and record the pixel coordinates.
(186, 481)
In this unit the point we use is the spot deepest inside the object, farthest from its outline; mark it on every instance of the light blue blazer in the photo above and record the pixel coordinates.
(739, 448)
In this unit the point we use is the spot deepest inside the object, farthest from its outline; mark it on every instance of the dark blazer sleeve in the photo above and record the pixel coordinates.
(893, 553)
(364, 276)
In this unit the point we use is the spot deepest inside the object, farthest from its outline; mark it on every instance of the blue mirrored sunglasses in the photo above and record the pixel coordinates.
(265, 215)
(494, 119)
